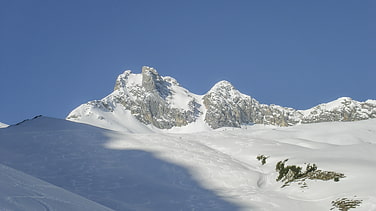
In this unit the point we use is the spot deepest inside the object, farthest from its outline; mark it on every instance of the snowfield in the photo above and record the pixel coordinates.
(24, 192)
(184, 170)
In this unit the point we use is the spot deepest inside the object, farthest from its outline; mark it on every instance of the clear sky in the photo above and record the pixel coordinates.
(56, 55)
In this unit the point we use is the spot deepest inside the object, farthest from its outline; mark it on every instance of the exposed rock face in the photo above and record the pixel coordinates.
(227, 107)
(150, 98)
(163, 103)
(342, 109)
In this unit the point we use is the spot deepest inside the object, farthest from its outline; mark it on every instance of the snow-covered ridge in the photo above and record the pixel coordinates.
(342, 109)
(2, 125)
(147, 101)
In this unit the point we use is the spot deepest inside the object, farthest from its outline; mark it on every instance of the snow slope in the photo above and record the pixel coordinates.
(20, 191)
(209, 170)
(75, 157)
(3, 125)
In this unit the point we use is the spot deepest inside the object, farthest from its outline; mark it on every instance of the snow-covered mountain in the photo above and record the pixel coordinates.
(147, 97)
(52, 164)
(141, 102)
(2, 125)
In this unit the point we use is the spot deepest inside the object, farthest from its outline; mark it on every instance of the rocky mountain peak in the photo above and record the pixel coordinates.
(222, 85)
(224, 91)
(148, 97)
(151, 80)
(160, 101)
(122, 79)
(154, 83)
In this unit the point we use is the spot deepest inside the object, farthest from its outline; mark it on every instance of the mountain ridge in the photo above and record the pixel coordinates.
(160, 102)
(2, 125)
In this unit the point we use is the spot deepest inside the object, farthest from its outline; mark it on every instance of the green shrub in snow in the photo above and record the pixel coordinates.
(262, 159)
(344, 204)
(293, 173)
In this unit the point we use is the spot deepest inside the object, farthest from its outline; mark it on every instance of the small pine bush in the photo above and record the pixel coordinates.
(292, 173)
(262, 159)
(344, 204)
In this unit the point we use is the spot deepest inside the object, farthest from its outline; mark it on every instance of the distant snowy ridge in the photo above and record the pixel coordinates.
(2, 125)
(141, 102)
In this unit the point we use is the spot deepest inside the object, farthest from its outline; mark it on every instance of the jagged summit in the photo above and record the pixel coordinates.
(141, 102)
(222, 85)
(148, 98)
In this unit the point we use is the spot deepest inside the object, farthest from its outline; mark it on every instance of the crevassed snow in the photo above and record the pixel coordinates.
(209, 170)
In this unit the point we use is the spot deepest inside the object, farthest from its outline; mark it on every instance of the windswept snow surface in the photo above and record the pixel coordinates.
(22, 192)
(209, 170)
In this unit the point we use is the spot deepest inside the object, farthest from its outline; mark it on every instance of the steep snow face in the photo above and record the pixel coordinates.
(2, 125)
(141, 99)
(149, 102)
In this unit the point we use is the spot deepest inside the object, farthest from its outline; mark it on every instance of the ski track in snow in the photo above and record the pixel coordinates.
(210, 170)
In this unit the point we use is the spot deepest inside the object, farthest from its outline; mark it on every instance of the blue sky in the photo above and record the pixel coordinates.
(56, 55)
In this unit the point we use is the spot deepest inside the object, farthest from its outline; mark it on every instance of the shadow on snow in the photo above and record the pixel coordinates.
(73, 156)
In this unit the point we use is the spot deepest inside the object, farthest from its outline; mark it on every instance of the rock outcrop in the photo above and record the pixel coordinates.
(150, 98)
(342, 109)
(227, 107)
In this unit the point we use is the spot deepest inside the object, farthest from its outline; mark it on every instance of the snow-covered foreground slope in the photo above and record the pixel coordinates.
(212, 170)
(76, 158)
(20, 191)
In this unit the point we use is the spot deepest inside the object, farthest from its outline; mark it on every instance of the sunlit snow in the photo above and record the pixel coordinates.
(208, 170)
(2, 125)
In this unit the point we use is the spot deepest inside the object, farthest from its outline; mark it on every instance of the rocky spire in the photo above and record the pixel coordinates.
(153, 82)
